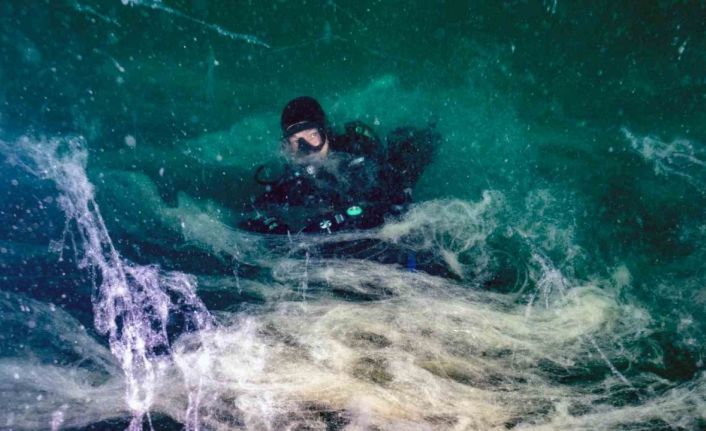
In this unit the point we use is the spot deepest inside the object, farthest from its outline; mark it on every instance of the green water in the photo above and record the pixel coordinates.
(566, 201)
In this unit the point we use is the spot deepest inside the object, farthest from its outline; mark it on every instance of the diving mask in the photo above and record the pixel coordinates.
(305, 148)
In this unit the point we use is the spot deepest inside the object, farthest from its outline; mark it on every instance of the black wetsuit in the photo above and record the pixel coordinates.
(356, 187)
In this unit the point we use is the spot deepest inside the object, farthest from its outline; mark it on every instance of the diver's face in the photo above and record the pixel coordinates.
(308, 142)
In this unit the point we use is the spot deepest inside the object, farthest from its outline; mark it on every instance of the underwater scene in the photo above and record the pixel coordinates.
(516, 239)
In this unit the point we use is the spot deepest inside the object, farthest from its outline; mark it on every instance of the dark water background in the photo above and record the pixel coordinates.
(573, 166)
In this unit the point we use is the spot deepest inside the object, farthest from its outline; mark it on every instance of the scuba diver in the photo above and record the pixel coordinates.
(335, 182)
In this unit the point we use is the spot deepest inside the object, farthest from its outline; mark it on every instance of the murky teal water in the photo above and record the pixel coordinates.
(565, 206)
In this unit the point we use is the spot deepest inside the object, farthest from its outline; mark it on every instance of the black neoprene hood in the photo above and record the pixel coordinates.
(300, 114)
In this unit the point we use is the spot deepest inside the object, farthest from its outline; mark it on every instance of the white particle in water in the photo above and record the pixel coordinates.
(161, 172)
(130, 141)
(14, 182)
(682, 48)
